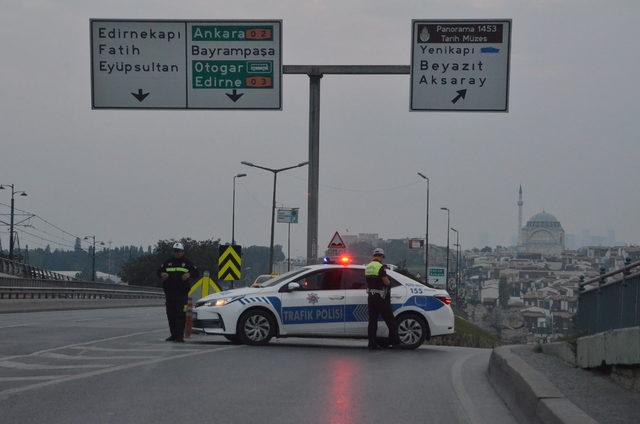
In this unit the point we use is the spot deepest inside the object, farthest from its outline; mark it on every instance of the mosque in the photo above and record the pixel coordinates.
(543, 234)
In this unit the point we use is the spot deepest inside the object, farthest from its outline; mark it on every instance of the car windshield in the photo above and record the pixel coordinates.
(283, 277)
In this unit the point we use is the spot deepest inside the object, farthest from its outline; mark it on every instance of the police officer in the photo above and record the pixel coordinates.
(175, 274)
(379, 299)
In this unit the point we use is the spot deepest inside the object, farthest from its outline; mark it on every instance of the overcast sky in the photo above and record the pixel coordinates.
(570, 136)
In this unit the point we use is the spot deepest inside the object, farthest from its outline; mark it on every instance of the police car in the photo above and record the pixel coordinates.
(322, 301)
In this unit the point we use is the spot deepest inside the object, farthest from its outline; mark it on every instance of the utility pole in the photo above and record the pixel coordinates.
(315, 73)
(273, 204)
(93, 256)
(13, 205)
(426, 235)
(233, 210)
(448, 226)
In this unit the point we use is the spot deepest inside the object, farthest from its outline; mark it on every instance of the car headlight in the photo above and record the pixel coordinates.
(221, 302)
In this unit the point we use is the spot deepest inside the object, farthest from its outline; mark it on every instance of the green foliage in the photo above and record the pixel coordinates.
(109, 261)
(204, 254)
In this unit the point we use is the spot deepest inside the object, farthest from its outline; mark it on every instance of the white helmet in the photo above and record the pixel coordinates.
(378, 252)
(178, 246)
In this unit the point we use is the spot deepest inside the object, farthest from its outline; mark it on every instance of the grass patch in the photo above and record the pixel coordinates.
(467, 335)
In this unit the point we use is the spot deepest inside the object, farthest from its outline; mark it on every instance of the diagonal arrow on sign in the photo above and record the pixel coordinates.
(461, 95)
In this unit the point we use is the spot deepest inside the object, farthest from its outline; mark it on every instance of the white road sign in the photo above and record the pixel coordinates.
(460, 65)
(148, 64)
(287, 215)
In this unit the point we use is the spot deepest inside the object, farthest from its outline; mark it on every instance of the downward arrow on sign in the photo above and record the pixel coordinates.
(140, 95)
(234, 96)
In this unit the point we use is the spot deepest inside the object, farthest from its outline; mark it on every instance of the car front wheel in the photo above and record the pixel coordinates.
(256, 328)
(412, 331)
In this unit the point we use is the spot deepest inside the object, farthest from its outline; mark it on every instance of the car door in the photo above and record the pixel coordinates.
(356, 310)
(317, 308)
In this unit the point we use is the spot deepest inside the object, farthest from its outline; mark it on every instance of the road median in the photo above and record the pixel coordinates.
(528, 394)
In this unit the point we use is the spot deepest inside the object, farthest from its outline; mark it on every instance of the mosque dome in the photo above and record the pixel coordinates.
(543, 220)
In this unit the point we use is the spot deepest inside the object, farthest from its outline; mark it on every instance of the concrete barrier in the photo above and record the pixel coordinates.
(528, 394)
(614, 347)
(15, 306)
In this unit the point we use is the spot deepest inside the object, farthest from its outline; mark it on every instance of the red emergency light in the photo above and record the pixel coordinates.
(344, 260)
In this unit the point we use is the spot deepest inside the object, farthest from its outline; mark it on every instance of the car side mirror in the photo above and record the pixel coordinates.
(293, 286)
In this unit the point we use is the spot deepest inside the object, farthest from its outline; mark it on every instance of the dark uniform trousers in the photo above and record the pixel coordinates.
(378, 306)
(176, 315)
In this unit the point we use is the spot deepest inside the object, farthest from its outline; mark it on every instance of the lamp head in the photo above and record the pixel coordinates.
(422, 175)
(23, 194)
(244, 162)
(241, 175)
(303, 163)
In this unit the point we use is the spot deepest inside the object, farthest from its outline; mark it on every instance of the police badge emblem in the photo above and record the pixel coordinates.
(313, 298)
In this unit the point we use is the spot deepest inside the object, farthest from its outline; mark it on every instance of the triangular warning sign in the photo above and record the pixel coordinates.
(337, 242)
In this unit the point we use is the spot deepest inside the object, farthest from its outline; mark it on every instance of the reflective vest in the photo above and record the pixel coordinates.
(374, 282)
(373, 269)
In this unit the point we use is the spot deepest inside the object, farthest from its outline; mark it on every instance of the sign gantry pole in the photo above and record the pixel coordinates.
(315, 73)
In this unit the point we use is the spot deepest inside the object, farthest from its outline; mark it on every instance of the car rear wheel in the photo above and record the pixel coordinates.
(412, 331)
(256, 328)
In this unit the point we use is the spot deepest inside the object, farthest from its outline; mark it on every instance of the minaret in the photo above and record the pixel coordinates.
(520, 203)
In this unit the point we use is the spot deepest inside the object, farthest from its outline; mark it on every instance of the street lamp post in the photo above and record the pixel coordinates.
(13, 203)
(93, 256)
(426, 235)
(233, 210)
(273, 205)
(448, 226)
(456, 245)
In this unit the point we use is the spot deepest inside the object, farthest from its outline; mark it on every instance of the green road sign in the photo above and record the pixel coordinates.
(176, 64)
(436, 271)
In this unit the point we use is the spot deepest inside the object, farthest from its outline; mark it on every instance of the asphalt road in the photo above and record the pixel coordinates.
(113, 366)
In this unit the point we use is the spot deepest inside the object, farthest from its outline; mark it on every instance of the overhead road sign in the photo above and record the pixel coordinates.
(288, 215)
(460, 65)
(195, 64)
(229, 262)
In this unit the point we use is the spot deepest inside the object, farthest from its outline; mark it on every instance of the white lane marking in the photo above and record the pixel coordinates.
(13, 326)
(134, 349)
(5, 393)
(468, 407)
(33, 378)
(84, 358)
(82, 344)
(23, 366)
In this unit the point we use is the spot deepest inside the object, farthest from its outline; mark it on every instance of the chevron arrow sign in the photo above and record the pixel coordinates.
(229, 262)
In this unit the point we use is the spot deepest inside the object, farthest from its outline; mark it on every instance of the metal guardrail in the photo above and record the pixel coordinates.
(609, 301)
(39, 283)
(20, 269)
(74, 293)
